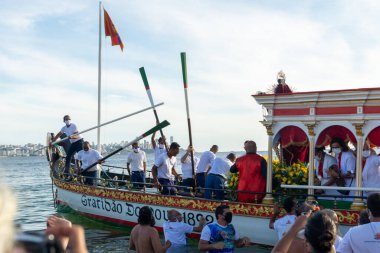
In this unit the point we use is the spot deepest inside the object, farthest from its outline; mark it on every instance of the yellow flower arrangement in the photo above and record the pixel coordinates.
(295, 174)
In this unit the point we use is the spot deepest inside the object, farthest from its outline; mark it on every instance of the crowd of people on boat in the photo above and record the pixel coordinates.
(304, 228)
(206, 175)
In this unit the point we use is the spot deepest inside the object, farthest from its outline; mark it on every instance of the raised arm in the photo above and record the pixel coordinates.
(154, 145)
(200, 226)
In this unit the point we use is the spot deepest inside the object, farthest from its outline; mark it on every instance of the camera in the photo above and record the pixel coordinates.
(38, 242)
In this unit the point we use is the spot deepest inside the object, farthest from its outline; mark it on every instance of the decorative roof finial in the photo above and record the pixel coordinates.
(281, 77)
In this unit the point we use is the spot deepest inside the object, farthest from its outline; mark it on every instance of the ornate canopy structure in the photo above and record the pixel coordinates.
(301, 121)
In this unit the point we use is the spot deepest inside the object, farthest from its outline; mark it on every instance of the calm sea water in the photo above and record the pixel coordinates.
(29, 178)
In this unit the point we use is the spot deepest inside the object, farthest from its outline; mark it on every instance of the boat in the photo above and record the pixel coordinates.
(293, 121)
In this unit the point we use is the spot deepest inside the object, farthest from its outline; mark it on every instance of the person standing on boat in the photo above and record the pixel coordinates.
(144, 237)
(364, 238)
(85, 158)
(221, 236)
(323, 163)
(70, 130)
(164, 168)
(137, 160)
(187, 170)
(252, 170)
(175, 231)
(346, 162)
(217, 176)
(160, 148)
(371, 169)
(204, 165)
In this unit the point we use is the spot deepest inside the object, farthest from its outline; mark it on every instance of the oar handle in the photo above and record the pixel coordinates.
(163, 124)
(147, 88)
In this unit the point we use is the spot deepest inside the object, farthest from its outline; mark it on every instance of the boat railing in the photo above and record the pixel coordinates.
(151, 188)
(330, 188)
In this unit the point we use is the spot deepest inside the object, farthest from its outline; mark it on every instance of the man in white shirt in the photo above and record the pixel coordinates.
(159, 148)
(204, 165)
(187, 170)
(364, 238)
(217, 176)
(283, 223)
(175, 231)
(371, 169)
(76, 141)
(137, 161)
(164, 168)
(86, 158)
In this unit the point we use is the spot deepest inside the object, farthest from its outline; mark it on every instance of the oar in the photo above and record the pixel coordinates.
(149, 132)
(184, 75)
(106, 123)
(147, 88)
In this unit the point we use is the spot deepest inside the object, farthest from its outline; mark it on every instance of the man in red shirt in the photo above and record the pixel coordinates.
(252, 170)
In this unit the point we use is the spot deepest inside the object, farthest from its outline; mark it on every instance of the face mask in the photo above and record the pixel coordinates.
(67, 122)
(366, 153)
(228, 217)
(136, 150)
(161, 146)
(336, 151)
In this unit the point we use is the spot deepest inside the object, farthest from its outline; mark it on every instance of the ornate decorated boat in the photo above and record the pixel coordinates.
(296, 122)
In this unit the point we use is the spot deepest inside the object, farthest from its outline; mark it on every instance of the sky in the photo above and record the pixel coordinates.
(49, 63)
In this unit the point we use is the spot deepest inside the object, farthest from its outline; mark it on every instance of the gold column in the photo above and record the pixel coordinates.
(358, 203)
(268, 199)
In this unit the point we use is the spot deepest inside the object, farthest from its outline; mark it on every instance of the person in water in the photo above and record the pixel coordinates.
(144, 237)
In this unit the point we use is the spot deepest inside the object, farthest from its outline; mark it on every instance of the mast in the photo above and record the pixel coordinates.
(99, 148)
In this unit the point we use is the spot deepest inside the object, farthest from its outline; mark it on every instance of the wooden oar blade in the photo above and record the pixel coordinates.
(158, 127)
(144, 78)
(184, 69)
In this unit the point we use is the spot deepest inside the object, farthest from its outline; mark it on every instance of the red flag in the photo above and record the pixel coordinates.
(110, 30)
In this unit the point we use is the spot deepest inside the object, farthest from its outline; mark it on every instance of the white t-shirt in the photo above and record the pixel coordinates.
(347, 162)
(338, 239)
(89, 157)
(137, 160)
(70, 130)
(220, 166)
(371, 172)
(187, 171)
(281, 225)
(164, 166)
(361, 239)
(205, 161)
(158, 152)
(176, 232)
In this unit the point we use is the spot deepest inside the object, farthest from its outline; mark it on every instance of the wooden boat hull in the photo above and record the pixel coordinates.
(122, 207)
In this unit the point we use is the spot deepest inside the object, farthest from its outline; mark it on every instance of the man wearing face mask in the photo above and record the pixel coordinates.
(371, 169)
(160, 148)
(221, 236)
(346, 162)
(70, 130)
(364, 238)
(175, 231)
(85, 158)
(137, 160)
(323, 162)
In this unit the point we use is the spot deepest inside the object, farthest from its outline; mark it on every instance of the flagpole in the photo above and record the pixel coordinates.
(184, 75)
(99, 148)
(147, 88)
